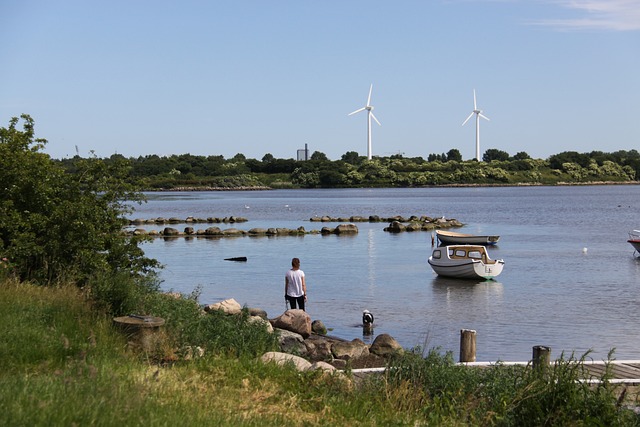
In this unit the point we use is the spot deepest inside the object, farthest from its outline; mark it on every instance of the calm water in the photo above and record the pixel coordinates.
(551, 291)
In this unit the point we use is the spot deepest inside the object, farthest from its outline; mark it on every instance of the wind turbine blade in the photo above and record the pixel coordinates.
(470, 115)
(357, 111)
(374, 118)
(484, 117)
(475, 107)
(369, 98)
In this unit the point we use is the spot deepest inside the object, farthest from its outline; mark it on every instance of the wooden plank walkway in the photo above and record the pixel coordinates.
(623, 372)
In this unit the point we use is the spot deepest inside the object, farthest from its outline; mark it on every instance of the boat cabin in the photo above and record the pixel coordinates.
(463, 252)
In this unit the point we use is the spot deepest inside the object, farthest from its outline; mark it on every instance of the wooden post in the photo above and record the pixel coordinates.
(467, 345)
(541, 356)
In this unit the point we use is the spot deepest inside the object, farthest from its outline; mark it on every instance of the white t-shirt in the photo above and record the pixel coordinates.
(294, 282)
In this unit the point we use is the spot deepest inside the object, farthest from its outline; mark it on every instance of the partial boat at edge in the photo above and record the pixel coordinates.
(634, 240)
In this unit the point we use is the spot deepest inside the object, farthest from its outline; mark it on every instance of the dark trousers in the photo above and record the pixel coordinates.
(296, 302)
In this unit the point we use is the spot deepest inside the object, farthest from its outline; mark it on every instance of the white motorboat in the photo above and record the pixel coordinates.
(454, 238)
(465, 262)
(634, 240)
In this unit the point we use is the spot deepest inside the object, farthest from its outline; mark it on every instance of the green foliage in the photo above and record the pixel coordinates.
(353, 170)
(505, 395)
(495, 154)
(56, 225)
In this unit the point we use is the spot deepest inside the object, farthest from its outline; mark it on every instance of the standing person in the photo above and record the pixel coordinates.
(295, 287)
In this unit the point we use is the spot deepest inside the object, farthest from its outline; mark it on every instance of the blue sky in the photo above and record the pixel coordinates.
(257, 77)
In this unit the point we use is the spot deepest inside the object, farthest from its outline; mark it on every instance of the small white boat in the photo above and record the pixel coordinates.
(634, 240)
(465, 262)
(453, 238)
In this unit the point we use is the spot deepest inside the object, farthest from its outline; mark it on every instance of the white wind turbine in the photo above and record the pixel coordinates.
(478, 114)
(370, 115)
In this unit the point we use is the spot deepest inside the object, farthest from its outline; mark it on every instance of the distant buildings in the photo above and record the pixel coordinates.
(303, 153)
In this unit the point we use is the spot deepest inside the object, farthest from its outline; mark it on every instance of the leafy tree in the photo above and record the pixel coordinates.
(318, 155)
(352, 157)
(522, 155)
(268, 158)
(55, 225)
(238, 158)
(495, 154)
(454, 154)
(557, 160)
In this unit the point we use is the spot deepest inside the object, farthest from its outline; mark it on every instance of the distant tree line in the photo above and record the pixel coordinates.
(353, 170)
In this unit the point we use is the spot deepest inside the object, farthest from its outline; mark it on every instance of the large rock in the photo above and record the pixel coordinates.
(322, 366)
(318, 348)
(346, 229)
(284, 358)
(260, 321)
(229, 306)
(349, 349)
(318, 327)
(212, 231)
(385, 345)
(232, 232)
(257, 232)
(170, 231)
(396, 227)
(290, 342)
(297, 321)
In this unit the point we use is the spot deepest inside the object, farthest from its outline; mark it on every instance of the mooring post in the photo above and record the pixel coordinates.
(541, 356)
(467, 345)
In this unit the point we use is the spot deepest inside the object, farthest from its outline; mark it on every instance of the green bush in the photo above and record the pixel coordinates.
(57, 226)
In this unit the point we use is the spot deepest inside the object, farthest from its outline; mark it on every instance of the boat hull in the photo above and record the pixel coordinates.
(469, 269)
(452, 238)
(635, 243)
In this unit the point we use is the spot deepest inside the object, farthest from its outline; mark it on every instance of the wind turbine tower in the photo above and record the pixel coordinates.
(370, 115)
(478, 114)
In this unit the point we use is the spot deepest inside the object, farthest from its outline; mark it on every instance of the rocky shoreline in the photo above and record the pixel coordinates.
(461, 185)
(305, 343)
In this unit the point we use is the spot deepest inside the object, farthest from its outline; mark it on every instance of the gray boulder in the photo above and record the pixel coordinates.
(318, 327)
(260, 321)
(169, 231)
(396, 227)
(349, 349)
(284, 359)
(290, 342)
(212, 231)
(346, 229)
(318, 348)
(385, 345)
(229, 306)
(297, 321)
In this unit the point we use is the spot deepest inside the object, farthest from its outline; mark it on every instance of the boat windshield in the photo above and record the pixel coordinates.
(475, 254)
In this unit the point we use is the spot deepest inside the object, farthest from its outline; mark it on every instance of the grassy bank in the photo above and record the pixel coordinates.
(62, 362)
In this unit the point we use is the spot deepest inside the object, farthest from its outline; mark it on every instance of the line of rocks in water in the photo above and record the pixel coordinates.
(188, 220)
(397, 224)
(217, 232)
(376, 218)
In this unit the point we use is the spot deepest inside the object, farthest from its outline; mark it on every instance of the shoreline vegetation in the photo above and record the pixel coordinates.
(67, 271)
(187, 172)
(521, 184)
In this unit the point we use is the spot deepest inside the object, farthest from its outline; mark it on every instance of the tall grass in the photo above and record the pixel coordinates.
(63, 363)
